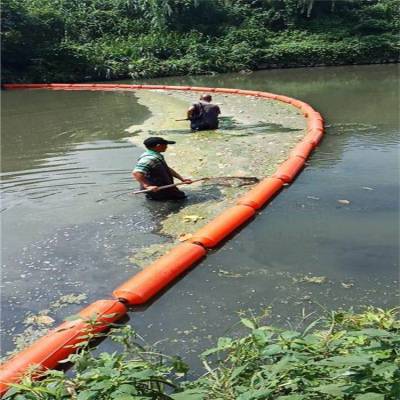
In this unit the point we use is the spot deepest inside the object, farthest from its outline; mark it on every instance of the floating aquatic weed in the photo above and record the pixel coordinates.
(68, 299)
(311, 279)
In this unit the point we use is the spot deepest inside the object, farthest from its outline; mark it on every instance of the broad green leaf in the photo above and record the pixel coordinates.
(190, 394)
(311, 340)
(106, 384)
(292, 397)
(237, 371)
(224, 343)
(209, 352)
(339, 361)
(125, 389)
(370, 396)
(261, 337)
(372, 332)
(247, 322)
(332, 389)
(255, 394)
(86, 395)
(272, 350)
(142, 375)
(289, 335)
(385, 369)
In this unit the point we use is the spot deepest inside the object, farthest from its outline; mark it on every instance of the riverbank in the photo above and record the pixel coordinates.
(167, 38)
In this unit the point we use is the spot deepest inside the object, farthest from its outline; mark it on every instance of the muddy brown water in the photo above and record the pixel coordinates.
(66, 158)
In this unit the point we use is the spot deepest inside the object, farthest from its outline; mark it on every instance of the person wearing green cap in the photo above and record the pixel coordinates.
(152, 171)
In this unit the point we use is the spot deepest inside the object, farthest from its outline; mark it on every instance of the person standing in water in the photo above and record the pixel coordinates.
(151, 171)
(203, 115)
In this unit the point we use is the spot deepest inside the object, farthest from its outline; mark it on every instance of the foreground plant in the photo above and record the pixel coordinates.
(349, 356)
(134, 372)
(346, 356)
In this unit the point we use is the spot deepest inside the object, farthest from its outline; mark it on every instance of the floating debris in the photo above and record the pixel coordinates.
(312, 279)
(347, 285)
(192, 218)
(39, 320)
(344, 202)
(228, 274)
(185, 236)
(67, 299)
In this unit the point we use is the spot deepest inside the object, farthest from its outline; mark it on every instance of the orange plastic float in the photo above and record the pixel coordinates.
(302, 149)
(222, 226)
(284, 99)
(155, 277)
(49, 350)
(314, 137)
(59, 343)
(260, 194)
(288, 170)
(226, 90)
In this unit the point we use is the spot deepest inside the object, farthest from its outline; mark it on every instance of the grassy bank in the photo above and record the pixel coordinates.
(69, 40)
(342, 355)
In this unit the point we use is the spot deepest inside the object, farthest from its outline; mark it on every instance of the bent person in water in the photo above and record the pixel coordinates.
(203, 115)
(151, 171)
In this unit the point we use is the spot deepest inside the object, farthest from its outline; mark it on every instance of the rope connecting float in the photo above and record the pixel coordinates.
(48, 351)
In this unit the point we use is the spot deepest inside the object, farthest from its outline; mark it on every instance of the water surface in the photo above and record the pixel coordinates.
(64, 159)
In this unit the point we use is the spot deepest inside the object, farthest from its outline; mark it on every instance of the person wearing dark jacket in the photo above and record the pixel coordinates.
(203, 115)
(151, 171)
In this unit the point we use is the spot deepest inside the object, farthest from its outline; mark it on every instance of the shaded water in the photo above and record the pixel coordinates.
(63, 231)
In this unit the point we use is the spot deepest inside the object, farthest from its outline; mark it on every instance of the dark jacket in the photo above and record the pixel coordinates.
(204, 116)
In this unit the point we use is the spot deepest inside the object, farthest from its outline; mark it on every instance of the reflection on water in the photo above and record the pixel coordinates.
(67, 230)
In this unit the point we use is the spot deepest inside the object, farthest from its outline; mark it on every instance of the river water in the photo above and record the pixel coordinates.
(65, 230)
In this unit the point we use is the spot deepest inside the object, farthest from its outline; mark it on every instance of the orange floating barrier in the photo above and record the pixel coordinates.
(158, 275)
(98, 86)
(302, 149)
(222, 226)
(314, 137)
(123, 86)
(267, 95)
(202, 89)
(153, 86)
(314, 124)
(226, 90)
(10, 86)
(25, 85)
(317, 116)
(296, 103)
(307, 110)
(167, 87)
(59, 343)
(59, 85)
(288, 170)
(247, 92)
(284, 99)
(260, 194)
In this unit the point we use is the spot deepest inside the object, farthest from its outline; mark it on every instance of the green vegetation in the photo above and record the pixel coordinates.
(344, 356)
(76, 40)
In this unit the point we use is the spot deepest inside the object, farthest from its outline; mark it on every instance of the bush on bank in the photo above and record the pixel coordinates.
(342, 356)
(71, 40)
